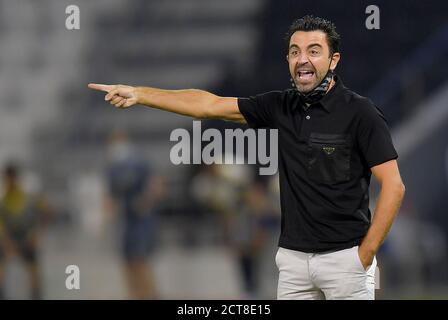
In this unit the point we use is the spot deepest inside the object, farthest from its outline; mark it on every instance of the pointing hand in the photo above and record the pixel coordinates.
(120, 96)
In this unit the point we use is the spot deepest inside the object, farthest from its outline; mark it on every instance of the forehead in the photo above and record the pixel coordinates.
(303, 39)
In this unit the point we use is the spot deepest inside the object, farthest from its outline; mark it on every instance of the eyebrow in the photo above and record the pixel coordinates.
(315, 45)
(310, 46)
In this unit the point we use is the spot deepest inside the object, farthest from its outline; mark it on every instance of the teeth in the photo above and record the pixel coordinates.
(302, 73)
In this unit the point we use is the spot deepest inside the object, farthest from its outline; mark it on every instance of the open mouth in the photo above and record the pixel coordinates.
(305, 75)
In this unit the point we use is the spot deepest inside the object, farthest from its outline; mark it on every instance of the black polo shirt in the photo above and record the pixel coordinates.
(326, 151)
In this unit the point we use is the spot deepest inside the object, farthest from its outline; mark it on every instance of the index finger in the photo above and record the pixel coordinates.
(101, 87)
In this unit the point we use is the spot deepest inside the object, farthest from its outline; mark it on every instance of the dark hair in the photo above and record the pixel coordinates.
(11, 170)
(311, 23)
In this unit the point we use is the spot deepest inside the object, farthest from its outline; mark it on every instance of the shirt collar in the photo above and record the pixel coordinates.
(332, 97)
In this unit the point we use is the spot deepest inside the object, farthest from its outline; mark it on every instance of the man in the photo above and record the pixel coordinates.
(330, 142)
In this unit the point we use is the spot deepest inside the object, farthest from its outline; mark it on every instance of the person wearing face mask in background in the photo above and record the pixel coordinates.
(133, 194)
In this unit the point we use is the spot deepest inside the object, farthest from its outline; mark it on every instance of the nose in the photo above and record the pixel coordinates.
(302, 60)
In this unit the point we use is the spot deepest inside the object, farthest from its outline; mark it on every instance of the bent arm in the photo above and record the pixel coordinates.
(388, 204)
(189, 102)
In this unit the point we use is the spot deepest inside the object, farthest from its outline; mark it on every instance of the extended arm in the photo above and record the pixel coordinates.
(189, 102)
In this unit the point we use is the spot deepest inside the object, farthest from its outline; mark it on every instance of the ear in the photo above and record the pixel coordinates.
(287, 57)
(334, 60)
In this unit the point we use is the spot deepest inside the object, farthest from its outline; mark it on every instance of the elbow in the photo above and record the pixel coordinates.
(395, 186)
(215, 108)
(400, 189)
(209, 112)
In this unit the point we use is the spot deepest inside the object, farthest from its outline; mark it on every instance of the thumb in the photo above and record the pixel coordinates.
(101, 87)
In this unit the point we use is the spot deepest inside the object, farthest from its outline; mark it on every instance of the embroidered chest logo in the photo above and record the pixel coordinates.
(328, 150)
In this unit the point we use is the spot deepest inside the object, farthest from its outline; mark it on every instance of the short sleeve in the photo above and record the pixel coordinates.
(260, 110)
(374, 139)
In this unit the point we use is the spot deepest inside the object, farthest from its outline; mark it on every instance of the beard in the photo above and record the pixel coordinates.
(308, 85)
(317, 92)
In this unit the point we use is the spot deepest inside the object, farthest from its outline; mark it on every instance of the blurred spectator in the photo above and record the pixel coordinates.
(414, 254)
(246, 213)
(23, 215)
(218, 188)
(253, 226)
(134, 193)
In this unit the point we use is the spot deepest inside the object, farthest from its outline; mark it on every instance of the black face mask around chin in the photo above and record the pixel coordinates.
(317, 93)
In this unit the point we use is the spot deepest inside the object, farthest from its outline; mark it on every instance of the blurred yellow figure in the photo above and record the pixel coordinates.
(22, 216)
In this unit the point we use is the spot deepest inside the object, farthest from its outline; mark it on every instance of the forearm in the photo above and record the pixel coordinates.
(387, 206)
(189, 102)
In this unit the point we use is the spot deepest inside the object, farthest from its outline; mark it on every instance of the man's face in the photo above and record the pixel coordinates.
(309, 59)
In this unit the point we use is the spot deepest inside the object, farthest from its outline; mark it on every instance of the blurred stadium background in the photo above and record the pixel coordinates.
(58, 131)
